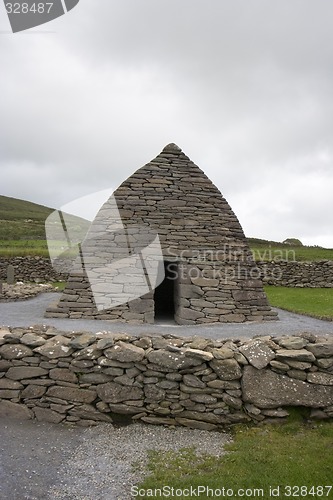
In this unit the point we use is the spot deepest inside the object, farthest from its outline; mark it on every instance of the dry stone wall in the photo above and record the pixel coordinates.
(297, 274)
(280, 273)
(30, 269)
(88, 378)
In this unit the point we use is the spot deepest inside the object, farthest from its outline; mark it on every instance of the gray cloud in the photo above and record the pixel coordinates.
(244, 88)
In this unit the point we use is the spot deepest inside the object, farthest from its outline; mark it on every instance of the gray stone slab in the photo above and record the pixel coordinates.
(267, 389)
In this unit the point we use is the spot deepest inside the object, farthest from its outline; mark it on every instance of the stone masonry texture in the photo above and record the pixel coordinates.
(85, 378)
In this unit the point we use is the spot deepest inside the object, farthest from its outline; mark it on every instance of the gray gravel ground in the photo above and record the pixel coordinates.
(31, 312)
(46, 461)
(31, 457)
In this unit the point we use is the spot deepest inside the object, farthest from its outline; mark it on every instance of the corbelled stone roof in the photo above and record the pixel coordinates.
(174, 197)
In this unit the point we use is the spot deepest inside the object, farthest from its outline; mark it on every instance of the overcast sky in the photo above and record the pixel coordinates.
(244, 87)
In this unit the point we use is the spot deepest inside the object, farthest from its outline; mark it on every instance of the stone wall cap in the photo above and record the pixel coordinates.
(172, 147)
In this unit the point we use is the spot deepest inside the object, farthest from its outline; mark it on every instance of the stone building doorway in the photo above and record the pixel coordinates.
(164, 294)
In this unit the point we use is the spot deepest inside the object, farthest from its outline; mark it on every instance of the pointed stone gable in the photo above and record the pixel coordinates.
(202, 244)
(175, 197)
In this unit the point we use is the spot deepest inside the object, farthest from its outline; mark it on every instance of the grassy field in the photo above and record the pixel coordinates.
(21, 248)
(316, 302)
(37, 245)
(15, 210)
(275, 253)
(22, 228)
(271, 250)
(20, 219)
(296, 454)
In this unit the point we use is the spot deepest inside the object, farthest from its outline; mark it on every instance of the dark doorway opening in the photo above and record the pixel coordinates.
(164, 296)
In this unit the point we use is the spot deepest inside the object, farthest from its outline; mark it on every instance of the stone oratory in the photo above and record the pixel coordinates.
(165, 245)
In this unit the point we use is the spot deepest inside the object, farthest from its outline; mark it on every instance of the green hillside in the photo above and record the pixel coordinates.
(14, 209)
(22, 227)
(22, 220)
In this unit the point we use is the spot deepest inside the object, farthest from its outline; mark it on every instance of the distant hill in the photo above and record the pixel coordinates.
(15, 209)
(257, 242)
(264, 250)
(22, 220)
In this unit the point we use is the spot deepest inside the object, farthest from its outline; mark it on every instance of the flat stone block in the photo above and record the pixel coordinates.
(257, 353)
(14, 410)
(47, 415)
(25, 372)
(267, 389)
(295, 355)
(195, 424)
(72, 394)
(203, 282)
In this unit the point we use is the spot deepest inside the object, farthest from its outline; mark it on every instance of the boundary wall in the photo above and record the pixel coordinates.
(200, 383)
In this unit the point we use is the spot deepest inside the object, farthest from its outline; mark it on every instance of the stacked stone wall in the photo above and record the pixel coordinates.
(280, 273)
(31, 269)
(200, 383)
(297, 274)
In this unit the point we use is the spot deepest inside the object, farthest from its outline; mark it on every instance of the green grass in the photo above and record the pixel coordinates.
(21, 248)
(259, 458)
(308, 254)
(15, 209)
(21, 230)
(273, 251)
(22, 225)
(316, 302)
(20, 219)
(59, 285)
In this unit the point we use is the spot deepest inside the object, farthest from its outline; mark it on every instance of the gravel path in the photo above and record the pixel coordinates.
(31, 312)
(41, 461)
